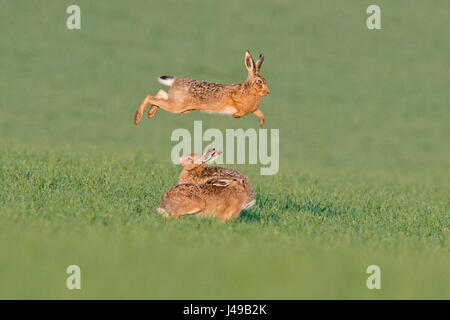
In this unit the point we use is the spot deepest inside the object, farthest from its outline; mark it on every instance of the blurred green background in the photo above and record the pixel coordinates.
(364, 154)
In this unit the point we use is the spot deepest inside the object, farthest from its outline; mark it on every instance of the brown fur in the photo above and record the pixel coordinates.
(221, 198)
(196, 172)
(238, 100)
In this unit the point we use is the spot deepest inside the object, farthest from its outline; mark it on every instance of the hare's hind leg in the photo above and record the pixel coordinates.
(141, 109)
(153, 109)
(168, 105)
(160, 96)
(190, 207)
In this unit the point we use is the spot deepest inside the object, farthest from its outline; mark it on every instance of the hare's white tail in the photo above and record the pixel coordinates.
(166, 80)
(163, 212)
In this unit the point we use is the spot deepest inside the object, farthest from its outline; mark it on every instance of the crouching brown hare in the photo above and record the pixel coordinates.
(195, 171)
(222, 198)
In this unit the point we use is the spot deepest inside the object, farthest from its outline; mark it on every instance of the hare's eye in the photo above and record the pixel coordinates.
(259, 81)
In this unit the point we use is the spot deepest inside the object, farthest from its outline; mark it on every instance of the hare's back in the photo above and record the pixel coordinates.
(199, 91)
(182, 199)
(181, 193)
(212, 171)
(186, 190)
(215, 172)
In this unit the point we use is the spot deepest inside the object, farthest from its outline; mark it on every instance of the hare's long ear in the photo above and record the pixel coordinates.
(220, 182)
(250, 64)
(207, 155)
(259, 62)
(211, 155)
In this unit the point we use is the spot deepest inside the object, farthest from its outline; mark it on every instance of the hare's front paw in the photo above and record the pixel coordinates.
(261, 122)
(260, 116)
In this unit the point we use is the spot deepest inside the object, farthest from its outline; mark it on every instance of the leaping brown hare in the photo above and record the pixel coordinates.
(187, 95)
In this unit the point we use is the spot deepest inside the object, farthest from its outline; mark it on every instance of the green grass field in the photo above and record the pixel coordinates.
(364, 150)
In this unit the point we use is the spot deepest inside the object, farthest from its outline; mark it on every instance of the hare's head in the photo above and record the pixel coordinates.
(255, 80)
(191, 161)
